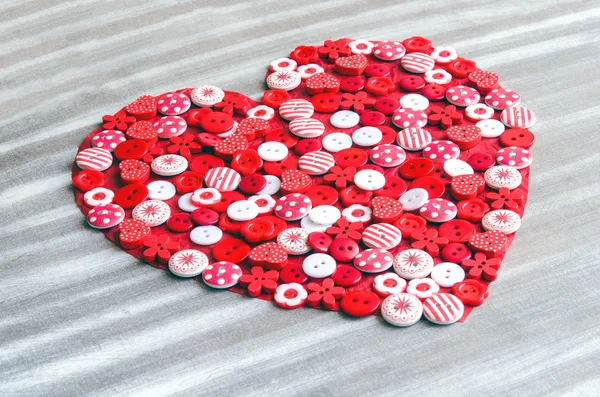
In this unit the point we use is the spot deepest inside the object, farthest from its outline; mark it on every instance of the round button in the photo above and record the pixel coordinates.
(352, 157)
(456, 252)
(456, 230)
(346, 276)
(367, 136)
(369, 180)
(188, 263)
(470, 292)
(324, 214)
(180, 223)
(322, 195)
(382, 236)
(360, 303)
(272, 151)
(411, 223)
(272, 186)
(242, 210)
(481, 161)
(415, 168)
(206, 235)
(319, 241)
(438, 210)
(506, 221)
(221, 275)
(343, 249)
(414, 101)
(205, 216)
(326, 102)
(446, 274)
(413, 263)
(337, 141)
(519, 137)
(373, 260)
(169, 165)
(371, 118)
(307, 145)
(130, 149)
(413, 138)
(432, 184)
(130, 195)
(344, 119)
(402, 310)
(161, 190)
(319, 265)
(152, 212)
(232, 250)
(443, 309)
(414, 199)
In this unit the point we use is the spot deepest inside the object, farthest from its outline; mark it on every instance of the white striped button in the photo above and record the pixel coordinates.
(169, 165)
(337, 141)
(413, 263)
(96, 159)
(417, 62)
(382, 236)
(296, 108)
(402, 310)
(306, 127)
(223, 179)
(446, 274)
(443, 309)
(316, 163)
(413, 138)
(344, 119)
(518, 117)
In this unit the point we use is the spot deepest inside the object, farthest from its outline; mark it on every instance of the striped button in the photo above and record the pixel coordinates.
(96, 159)
(382, 236)
(413, 138)
(417, 62)
(296, 108)
(306, 128)
(316, 163)
(443, 309)
(518, 117)
(223, 179)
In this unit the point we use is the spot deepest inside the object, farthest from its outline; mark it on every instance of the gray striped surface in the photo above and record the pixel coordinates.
(79, 317)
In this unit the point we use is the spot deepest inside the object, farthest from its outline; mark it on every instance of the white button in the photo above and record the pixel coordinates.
(230, 131)
(443, 309)
(188, 263)
(344, 119)
(456, 167)
(309, 225)
(161, 190)
(325, 214)
(369, 180)
(272, 151)
(185, 203)
(318, 265)
(490, 128)
(264, 202)
(98, 196)
(337, 141)
(388, 284)
(272, 186)
(414, 101)
(357, 213)
(401, 310)
(367, 136)
(414, 199)
(294, 240)
(242, 210)
(506, 221)
(446, 274)
(206, 235)
(413, 263)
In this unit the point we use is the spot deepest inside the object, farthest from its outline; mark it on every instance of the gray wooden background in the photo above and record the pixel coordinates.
(79, 317)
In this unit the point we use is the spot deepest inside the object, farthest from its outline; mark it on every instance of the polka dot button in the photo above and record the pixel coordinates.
(161, 190)
(206, 235)
(344, 119)
(369, 180)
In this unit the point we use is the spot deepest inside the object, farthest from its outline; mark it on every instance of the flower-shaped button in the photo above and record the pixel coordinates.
(481, 267)
(388, 284)
(429, 241)
(326, 293)
(504, 198)
(259, 281)
(161, 248)
(444, 116)
(120, 121)
(344, 228)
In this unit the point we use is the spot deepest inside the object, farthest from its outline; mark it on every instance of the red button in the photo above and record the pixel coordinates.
(379, 85)
(86, 180)
(434, 92)
(206, 162)
(195, 115)
(415, 168)
(246, 162)
(470, 292)
(456, 230)
(282, 136)
(387, 105)
(179, 223)
(519, 137)
(274, 98)
(131, 149)
(410, 223)
(205, 216)
(276, 168)
(208, 140)
(393, 187)
(418, 44)
(433, 185)
(351, 157)
(293, 273)
(322, 195)
(280, 224)
(226, 199)
(472, 210)
(319, 242)
(388, 135)
(307, 146)
(217, 122)
(188, 182)
(229, 225)
(456, 252)
(360, 303)
(131, 195)
(252, 184)
(326, 102)
(346, 276)
(343, 249)
(371, 118)
(352, 84)
(481, 161)
(377, 70)
(438, 171)
(355, 195)
(411, 83)
(257, 230)
(231, 250)
(460, 67)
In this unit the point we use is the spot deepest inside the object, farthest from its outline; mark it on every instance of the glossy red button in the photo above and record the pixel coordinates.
(292, 273)
(217, 122)
(276, 168)
(231, 250)
(86, 180)
(226, 199)
(411, 83)
(274, 98)
(319, 241)
(377, 70)
(418, 44)
(205, 216)
(352, 84)
(179, 223)
(195, 115)
(246, 162)
(472, 210)
(307, 146)
(355, 195)
(456, 230)
(434, 185)
(131, 195)
(351, 157)
(229, 225)
(282, 136)
(415, 168)
(387, 105)
(471, 292)
(343, 249)
(372, 118)
(379, 85)
(206, 162)
(438, 171)
(434, 92)
(280, 224)
(460, 67)
(519, 137)
(346, 276)
(326, 102)
(388, 135)
(252, 184)
(411, 223)
(393, 187)
(322, 195)
(481, 161)
(131, 149)
(207, 139)
(360, 303)
(188, 182)
(456, 252)
(257, 230)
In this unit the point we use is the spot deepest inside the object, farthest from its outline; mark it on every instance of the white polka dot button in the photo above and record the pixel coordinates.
(185, 203)
(98, 196)
(491, 128)
(369, 180)
(243, 210)
(309, 225)
(367, 136)
(206, 235)
(324, 214)
(456, 167)
(515, 157)
(414, 199)
(272, 186)
(161, 190)
(221, 275)
(344, 119)
(337, 141)
(357, 213)
(402, 310)
(414, 101)
(319, 265)
(446, 274)
(387, 155)
(272, 151)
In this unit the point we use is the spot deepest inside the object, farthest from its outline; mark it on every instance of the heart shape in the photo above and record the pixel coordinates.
(379, 91)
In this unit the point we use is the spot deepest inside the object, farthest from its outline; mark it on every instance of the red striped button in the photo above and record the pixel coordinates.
(223, 179)
(382, 236)
(306, 127)
(296, 108)
(443, 309)
(96, 159)
(413, 138)
(316, 163)
(518, 117)
(417, 62)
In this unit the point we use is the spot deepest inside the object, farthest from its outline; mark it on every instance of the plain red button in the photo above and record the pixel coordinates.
(411, 223)
(417, 44)
(208, 140)
(472, 210)
(206, 162)
(246, 162)
(456, 230)
(360, 303)
(456, 252)
(179, 223)
(217, 122)
(131, 195)
(195, 115)
(86, 180)
(393, 187)
(319, 241)
(188, 182)
(387, 105)
(252, 184)
(226, 199)
(231, 250)
(460, 67)
(355, 195)
(282, 136)
(274, 98)
(519, 137)
(415, 168)
(322, 195)
(411, 83)
(434, 185)
(205, 216)
(307, 146)
(481, 161)
(276, 168)
(351, 157)
(352, 84)
(131, 149)
(388, 135)
(343, 249)
(434, 92)
(438, 171)
(292, 273)
(470, 292)
(371, 118)
(379, 85)
(326, 102)
(377, 70)
(346, 276)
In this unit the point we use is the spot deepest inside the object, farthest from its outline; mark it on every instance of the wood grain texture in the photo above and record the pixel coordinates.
(80, 317)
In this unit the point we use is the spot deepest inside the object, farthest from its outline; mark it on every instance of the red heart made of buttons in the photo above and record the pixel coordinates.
(150, 214)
